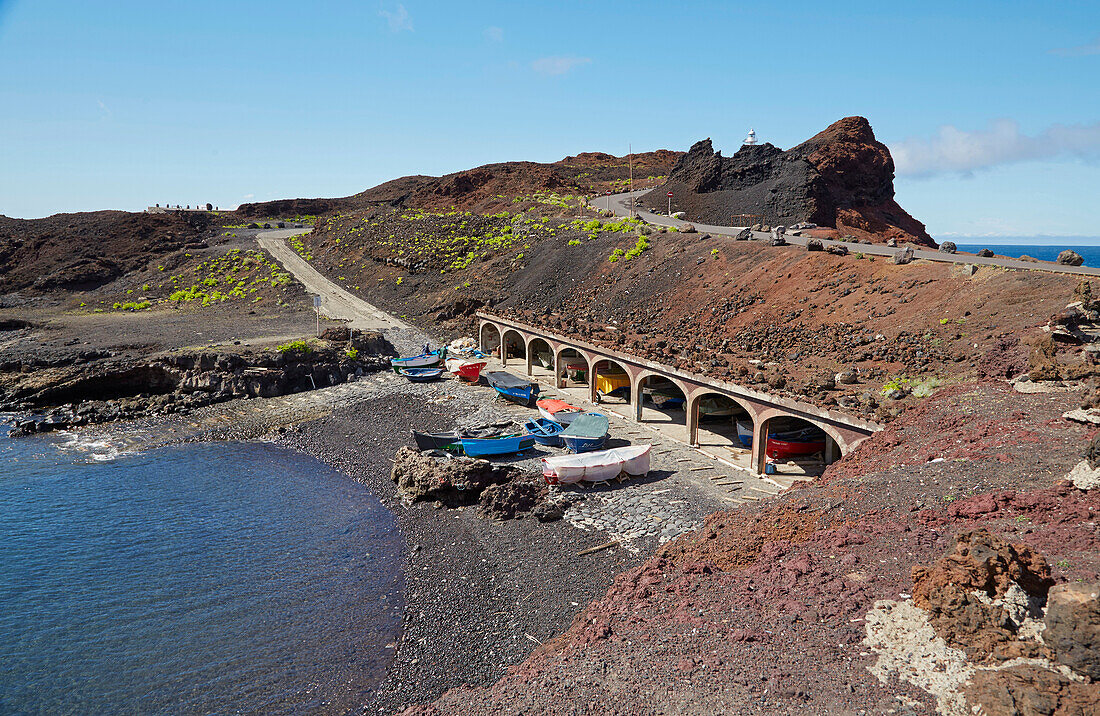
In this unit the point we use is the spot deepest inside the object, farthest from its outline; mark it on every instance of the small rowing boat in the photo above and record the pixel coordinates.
(427, 359)
(587, 432)
(632, 460)
(509, 445)
(466, 369)
(420, 375)
(546, 432)
(557, 410)
(512, 388)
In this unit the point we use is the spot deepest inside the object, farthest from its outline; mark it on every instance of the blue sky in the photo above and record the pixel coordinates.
(991, 108)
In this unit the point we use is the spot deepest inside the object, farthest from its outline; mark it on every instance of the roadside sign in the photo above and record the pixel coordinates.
(316, 301)
(609, 192)
(670, 195)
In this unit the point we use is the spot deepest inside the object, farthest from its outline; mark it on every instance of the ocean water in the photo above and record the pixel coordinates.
(209, 578)
(1091, 254)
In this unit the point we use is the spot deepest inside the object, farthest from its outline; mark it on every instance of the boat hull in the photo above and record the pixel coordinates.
(484, 447)
(421, 375)
(424, 360)
(786, 449)
(632, 460)
(558, 411)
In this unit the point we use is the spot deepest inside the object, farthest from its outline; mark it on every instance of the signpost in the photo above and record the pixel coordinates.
(607, 201)
(317, 310)
(670, 203)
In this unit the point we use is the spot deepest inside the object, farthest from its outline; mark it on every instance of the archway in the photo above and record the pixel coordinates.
(490, 339)
(662, 402)
(797, 448)
(610, 382)
(722, 425)
(540, 359)
(572, 373)
(512, 346)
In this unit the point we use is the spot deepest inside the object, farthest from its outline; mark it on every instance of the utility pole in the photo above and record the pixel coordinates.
(630, 163)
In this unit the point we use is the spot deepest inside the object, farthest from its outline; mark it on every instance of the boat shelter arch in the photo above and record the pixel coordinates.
(511, 338)
(693, 413)
(837, 436)
(640, 379)
(536, 346)
(489, 340)
(610, 379)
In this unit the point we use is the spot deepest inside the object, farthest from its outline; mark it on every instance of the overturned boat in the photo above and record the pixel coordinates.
(632, 460)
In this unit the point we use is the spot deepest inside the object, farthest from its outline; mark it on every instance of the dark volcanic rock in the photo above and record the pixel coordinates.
(842, 177)
(1029, 689)
(452, 481)
(1073, 626)
(985, 253)
(513, 499)
(1070, 258)
(948, 247)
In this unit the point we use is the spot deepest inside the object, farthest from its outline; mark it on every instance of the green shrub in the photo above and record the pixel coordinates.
(352, 353)
(299, 346)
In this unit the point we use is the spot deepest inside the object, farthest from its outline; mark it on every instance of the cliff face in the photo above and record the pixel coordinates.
(842, 178)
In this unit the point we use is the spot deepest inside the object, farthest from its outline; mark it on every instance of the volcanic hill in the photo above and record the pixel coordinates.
(841, 178)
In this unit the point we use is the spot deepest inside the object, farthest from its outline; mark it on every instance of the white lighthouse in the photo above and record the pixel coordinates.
(751, 139)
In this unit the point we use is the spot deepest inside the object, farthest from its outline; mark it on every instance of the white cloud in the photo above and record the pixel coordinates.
(1091, 48)
(558, 65)
(249, 196)
(398, 18)
(956, 150)
(104, 111)
(493, 34)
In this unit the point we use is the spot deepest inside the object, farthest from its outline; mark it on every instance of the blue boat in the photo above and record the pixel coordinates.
(484, 447)
(587, 432)
(512, 388)
(421, 375)
(426, 359)
(803, 435)
(546, 432)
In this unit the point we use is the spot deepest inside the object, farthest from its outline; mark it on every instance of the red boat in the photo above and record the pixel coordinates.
(465, 369)
(786, 449)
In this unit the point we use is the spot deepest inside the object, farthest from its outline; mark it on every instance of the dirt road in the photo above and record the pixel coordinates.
(335, 301)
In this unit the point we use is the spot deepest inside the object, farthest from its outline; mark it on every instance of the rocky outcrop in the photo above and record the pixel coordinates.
(1070, 258)
(978, 596)
(451, 481)
(841, 178)
(82, 392)
(1073, 626)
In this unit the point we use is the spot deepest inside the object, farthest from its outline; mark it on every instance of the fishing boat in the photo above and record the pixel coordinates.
(427, 359)
(632, 460)
(508, 445)
(420, 375)
(715, 409)
(558, 411)
(668, 401)
(587, 432)
(512, 388)
(452, 440)
(466, 369)
(744, 433)
(546, 432)
(778, 449)
(545, 359)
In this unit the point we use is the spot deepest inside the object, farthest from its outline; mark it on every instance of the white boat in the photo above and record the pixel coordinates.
(744, 433)
(597, 466)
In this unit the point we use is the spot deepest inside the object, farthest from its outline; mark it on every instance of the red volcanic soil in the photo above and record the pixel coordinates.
(762, 609)
(706, 304)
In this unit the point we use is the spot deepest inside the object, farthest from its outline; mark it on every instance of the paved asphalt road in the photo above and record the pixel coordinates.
(335, 301)
(620, 203)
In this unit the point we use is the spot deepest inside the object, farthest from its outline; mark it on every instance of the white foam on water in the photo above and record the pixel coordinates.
(93, 447)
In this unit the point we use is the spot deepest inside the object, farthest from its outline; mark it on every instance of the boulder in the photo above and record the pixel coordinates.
(904, 257)
(1070, 258)
(814, 245)
(948, 247)
(687, 229)
(778, 241)
(980, 561)
(892, 243)
(823, 381)
(848, 376)
(336, 334)
(1029, 689)
(454, 481)
(985, 253)
(743, 235)
(1073, 626)
(837, 249)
